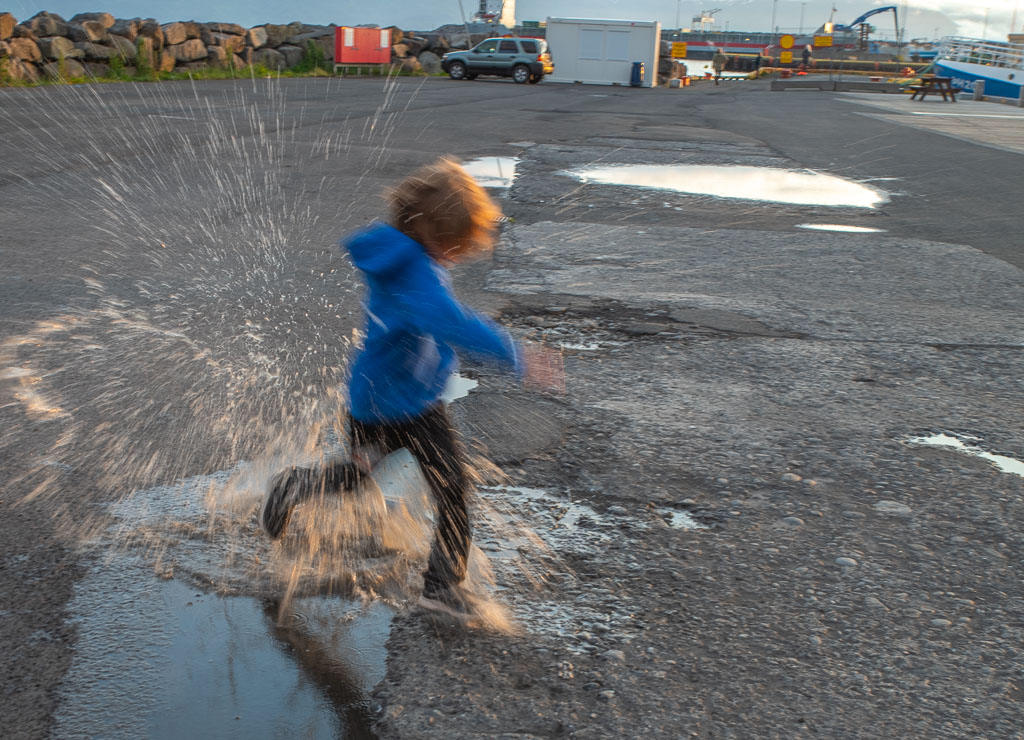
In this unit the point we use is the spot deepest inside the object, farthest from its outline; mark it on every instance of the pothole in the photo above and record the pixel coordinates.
(493, 172)
(458, 386)
(742, 182)
(964, 444)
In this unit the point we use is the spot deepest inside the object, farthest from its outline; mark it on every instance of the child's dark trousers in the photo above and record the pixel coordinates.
(432, 440)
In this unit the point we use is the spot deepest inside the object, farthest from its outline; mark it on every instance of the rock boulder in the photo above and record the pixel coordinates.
(302, 38)
(230, 28)
(92, 31)
(257, 37)
(272, 59)
(314, 31)
(125, 48)
(47, 24)
(412, 64)
(399, 51)
(26, 50)
(415, 44)
(216, 55)
(149, 28)
(105, 18)
(7, 24)
(21, 31)
(190, 51)
(292, 54)
(129, 29)
(66, 70)
(430, 62)
(144, 51)
(97, 70)
(96, 52)
(437, 43)
(174, 33)
(277, 35)
(228, 41)
(19, 70)
(58, 47)
(166, 62)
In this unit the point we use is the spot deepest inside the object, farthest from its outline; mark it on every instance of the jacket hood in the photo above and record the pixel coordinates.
(380, 249)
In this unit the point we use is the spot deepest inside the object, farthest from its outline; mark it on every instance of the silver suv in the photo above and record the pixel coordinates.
(522, 59)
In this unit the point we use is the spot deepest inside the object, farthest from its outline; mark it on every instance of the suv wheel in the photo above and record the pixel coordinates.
(457, 71)
(521, 74)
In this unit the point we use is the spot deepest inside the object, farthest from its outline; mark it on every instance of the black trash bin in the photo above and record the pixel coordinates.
(636, 79)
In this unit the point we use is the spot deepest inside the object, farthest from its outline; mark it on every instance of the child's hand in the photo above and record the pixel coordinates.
(544, 368)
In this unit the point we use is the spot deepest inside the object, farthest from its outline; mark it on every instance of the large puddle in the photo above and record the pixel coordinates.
(963, 444)
(748, 183)
(161, 659)
(844, 228)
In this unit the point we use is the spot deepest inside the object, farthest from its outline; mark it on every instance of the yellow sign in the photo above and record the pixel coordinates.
(678, 49)
(786, 57)
(823, 41)
(787, 41)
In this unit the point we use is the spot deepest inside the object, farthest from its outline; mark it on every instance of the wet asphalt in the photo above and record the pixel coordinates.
(760, 377)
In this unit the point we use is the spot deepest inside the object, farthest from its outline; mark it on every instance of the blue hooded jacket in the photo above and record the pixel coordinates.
(413, 324)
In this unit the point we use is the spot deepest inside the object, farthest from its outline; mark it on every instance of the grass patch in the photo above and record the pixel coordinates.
(311, 66)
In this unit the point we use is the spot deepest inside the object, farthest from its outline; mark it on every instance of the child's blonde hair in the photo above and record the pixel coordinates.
(443, 208)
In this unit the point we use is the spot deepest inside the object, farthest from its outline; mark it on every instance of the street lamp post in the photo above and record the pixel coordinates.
(802, 6)
(771, 28)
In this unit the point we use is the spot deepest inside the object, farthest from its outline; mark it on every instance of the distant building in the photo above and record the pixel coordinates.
(497, 12)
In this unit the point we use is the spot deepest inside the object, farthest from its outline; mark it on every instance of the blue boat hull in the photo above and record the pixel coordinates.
(1000, 82)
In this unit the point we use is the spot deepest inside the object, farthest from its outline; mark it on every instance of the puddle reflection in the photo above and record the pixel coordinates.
(458, 386)
(493, 172)
(841, 227)
(748, 183)
(159, 659)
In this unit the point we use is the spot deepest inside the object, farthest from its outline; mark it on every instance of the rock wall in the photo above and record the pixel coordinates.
(94, 44)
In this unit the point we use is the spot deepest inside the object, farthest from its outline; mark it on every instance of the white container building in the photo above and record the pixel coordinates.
(602, 52)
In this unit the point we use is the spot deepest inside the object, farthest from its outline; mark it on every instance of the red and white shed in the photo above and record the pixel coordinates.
(362, 45)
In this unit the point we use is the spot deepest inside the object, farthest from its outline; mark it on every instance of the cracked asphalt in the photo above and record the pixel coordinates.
(721, 361)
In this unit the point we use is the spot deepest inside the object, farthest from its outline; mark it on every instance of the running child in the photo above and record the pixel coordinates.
(414, 326)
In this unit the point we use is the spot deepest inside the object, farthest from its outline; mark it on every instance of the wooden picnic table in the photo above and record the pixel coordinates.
(932, 84)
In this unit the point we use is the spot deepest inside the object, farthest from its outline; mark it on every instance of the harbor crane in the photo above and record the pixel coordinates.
(865, 29)
(706, 20)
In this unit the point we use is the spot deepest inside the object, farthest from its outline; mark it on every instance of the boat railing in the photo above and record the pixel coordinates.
(980, 51)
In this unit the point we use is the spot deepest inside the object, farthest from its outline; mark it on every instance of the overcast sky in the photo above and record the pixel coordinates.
(925, 17)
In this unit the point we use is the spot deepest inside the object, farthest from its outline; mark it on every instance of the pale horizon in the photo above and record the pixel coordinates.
(925, 18)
